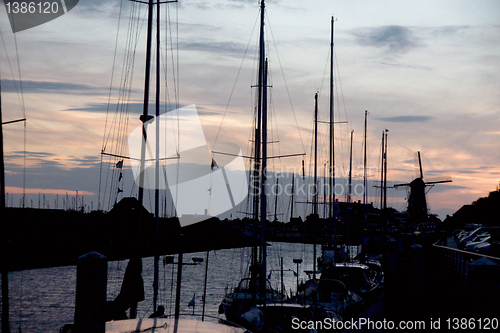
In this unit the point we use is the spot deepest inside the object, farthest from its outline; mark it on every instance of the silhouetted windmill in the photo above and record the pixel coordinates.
(417, 204)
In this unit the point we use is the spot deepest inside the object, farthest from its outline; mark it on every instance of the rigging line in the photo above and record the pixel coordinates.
(23, 108)
(168, 32)
(177, 76)
(123, 106)
(337, 77)
(324, 74)
(235, 81)
(286, 84)
(109, 102)
(340, 83)
(177, 55)
(10, 67)
(129, 61)
(118, 116)
(111, 80)
(175, 201)
(175, 68)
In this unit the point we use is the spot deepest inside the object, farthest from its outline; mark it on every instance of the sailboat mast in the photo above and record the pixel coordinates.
(364, 162)
(258, 140)
(332, 121)
(382, 174)
(145, 116)
(5, 273)
(331, 200)
(315, 197)
(349, 188)
(157, 163)
(262, 125)
(385, 170)
(293, 195)
(2, 165)
(276, 199)
(263, 201)
(324, 191)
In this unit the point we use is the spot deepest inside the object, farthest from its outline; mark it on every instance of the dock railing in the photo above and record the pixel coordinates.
(470, 279)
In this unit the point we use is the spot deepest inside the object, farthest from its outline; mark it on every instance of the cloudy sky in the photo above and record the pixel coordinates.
(428, 71)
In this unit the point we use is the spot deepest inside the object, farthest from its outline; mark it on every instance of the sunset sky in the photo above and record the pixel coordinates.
(428, 71)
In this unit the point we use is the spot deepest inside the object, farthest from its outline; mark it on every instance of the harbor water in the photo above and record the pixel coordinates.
(43, 300)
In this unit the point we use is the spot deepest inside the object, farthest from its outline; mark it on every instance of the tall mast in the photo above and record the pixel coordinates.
(364, 162)
(258, 133)
(385, 170)
(293, 195)
(315, 197)
(145, 116)
(157, 163)
(276, 199)
(382, 174)
(5, 273)
(263, 202)
(349, 188)
(262, 120)
(2, 165)
(331, 198)
(332, 120)
(324, 191)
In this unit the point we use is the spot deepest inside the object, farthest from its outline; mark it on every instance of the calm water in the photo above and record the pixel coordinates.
(43, 300)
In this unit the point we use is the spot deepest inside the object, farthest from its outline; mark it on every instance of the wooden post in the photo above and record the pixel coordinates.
(91, 280)
(178, 289)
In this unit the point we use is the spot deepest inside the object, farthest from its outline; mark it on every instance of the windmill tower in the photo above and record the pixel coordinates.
(417, 203)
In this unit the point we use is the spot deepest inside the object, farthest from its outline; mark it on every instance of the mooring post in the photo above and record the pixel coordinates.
(91, 280)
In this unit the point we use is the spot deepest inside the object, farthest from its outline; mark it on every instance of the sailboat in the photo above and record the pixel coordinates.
(159, 323)
(253, 303)
(256, 290)
(343, 284)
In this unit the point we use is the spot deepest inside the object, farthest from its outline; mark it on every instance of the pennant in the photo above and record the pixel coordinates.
(192, 303)
(214, 164)
(119, 165)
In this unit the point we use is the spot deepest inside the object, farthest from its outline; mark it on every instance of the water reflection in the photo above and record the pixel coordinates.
(43, 300)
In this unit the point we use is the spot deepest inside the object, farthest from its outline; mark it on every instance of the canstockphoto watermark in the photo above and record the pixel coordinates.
(307, 190)
(358, 324)
(29, 14)
(304, 188)
(198, 183)
(357, 172)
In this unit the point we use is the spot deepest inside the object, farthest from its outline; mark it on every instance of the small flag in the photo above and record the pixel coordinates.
(121, 176)
(119, 165)
(214, 164)
(192, 302)
(120, 190)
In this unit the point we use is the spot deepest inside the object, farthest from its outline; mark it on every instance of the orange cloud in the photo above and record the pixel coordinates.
(19, 190)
